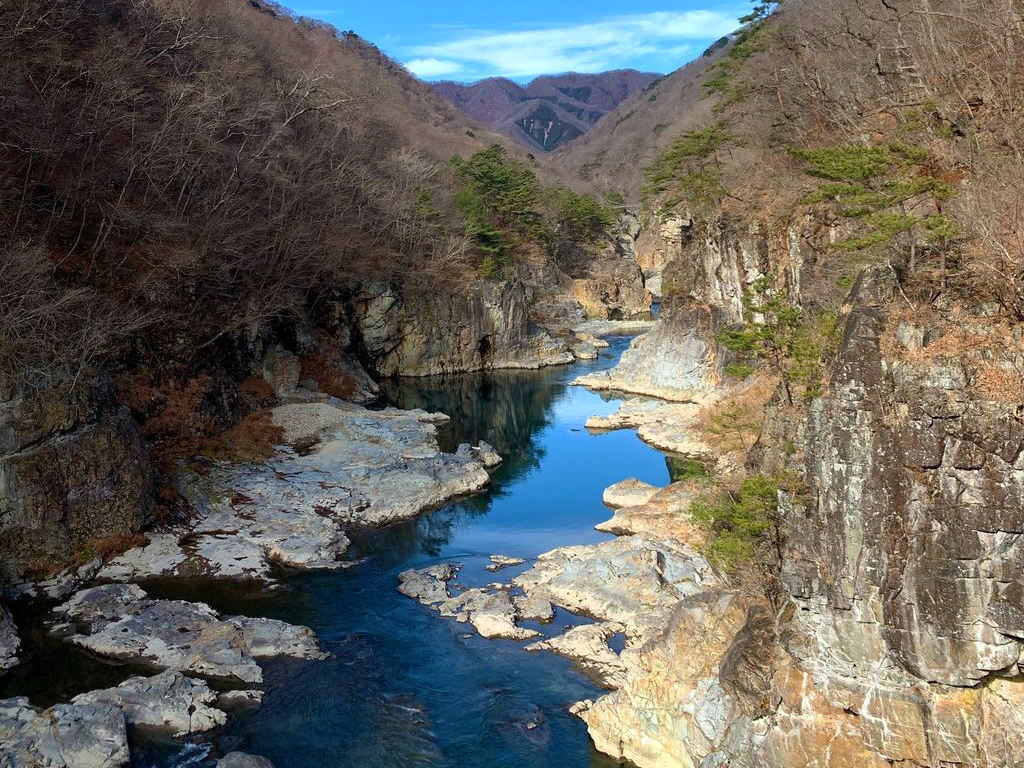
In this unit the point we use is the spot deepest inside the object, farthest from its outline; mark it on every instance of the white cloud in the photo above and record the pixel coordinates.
(590, 47)
(433, 67)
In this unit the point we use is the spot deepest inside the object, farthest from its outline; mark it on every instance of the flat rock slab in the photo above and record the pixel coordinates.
(664, 516)
(85, 735)
(665, 425)
(588, 647)
(500, 562)
(168, 701)
(364, 468)
(629, 493)
(632, 580)
(120, 621)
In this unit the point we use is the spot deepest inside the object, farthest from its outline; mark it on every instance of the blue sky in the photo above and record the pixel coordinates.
(465, 41)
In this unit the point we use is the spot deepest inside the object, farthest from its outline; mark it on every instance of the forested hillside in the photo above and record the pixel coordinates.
(896, 122)
(174, 173)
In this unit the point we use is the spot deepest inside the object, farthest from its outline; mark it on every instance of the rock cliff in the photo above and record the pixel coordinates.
(896, 638)
(74, 469)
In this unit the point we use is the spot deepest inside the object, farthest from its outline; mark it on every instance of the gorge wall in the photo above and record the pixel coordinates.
(895, 634)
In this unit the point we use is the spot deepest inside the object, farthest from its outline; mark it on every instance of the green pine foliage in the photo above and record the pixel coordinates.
(688, 170)
(505, 207)
(722, 77)
(580, 218)
(893, 193)
(778, 336)
(739, 522)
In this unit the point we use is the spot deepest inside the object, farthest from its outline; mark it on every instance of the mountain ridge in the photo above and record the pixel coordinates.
(550, 110)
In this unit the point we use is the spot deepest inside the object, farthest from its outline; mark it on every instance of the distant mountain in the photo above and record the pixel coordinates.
(551, 110)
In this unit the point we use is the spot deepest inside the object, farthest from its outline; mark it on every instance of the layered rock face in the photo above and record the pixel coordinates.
(897, 639)
(703, 283)
(73, 468)
(419, 335)
(907, 566)
(610, 285)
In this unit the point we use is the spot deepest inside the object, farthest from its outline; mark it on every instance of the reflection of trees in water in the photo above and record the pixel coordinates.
(507, 409)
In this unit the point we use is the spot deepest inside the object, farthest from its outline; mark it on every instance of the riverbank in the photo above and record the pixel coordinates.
(383, 694)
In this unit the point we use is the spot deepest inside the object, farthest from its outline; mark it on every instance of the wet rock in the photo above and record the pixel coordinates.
(169, 701)
(488, 455)
(629, 493)
(64, 736)
(366, 468)
(121, 622)
(484, 453)
(534, 608)
(587, 645)
(500, 562)
(243, 760)
(428, 585)
(240, 701)
(492, 614)
(9, 640)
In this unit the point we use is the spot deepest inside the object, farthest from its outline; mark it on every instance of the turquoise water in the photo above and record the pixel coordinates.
(404, 687)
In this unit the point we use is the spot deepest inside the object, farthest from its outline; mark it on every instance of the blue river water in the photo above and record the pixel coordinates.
(405, 688)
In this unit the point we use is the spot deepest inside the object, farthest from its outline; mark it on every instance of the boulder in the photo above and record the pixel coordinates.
(167, 701)
(63, 736)
(121, 622)
(243, 760)
(74, 469)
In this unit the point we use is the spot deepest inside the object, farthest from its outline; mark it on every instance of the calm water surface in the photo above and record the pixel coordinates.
(405, 688)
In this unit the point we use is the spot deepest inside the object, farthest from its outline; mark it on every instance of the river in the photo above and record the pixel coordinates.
(404, 687)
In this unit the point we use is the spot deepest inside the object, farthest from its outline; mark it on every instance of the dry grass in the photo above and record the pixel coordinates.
(329, 378)
(107, 548)
(253, 439)
(732, 424)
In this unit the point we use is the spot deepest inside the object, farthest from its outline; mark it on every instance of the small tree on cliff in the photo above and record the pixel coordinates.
(775, 334)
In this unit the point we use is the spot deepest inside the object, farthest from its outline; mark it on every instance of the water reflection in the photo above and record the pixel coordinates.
(404, 687)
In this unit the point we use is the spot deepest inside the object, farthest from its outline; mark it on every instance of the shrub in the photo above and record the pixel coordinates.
(738, 522)
(777, 335)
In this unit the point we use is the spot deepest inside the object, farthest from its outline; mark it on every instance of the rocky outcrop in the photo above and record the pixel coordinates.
(64, 736)
(711, 268)
(351, 467)
(168, 701)
(659, 242)
(609, 285)
(897, 637)
(73, 469)
(9, 640)
(677, 360)
(905, 565)
(120, 621)
(417, 335)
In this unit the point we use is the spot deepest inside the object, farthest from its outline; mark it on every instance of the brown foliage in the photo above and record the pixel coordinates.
(253, 439)
(194, 169)
(330, 379)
